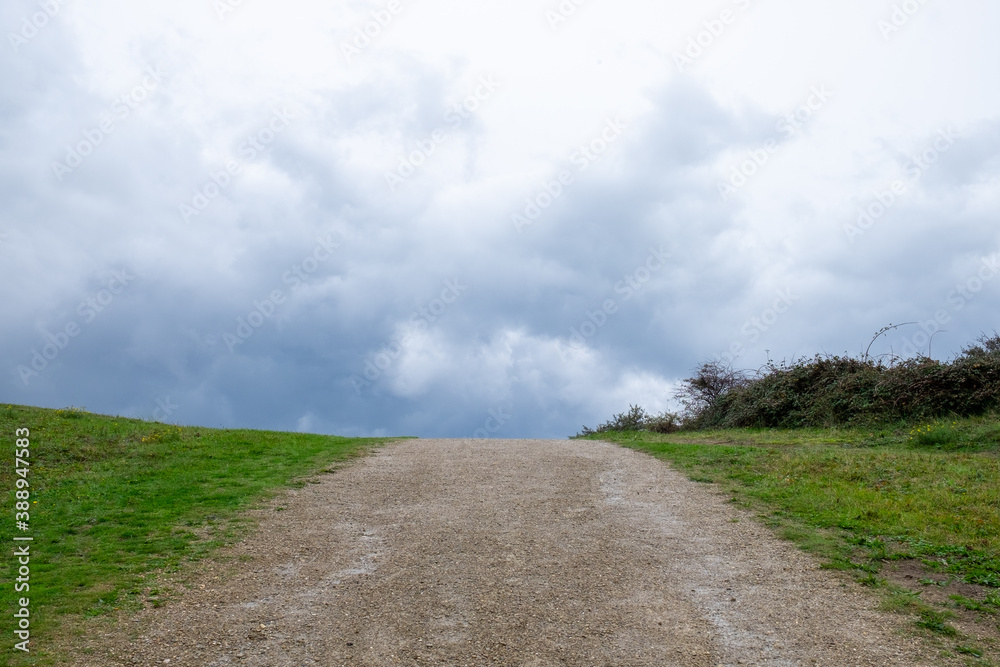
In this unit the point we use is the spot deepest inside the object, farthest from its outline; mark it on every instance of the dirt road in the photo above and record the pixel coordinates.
(510, 552)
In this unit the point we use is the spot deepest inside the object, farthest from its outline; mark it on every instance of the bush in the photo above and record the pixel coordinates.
(624, 421)
(830, 391)
(665, 422)
(834, 391)
(711, 381)
(636, 419)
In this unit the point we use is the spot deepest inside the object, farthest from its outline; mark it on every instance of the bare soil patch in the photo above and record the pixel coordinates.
(937, 589)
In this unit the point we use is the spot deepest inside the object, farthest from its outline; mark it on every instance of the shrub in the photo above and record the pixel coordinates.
(711, 381)
(832, 391)
(665, 422)
(636, 419)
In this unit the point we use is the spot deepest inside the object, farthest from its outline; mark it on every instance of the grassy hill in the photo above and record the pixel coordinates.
(115, 500)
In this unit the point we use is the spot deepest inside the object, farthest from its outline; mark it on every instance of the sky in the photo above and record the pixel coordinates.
(471, 219)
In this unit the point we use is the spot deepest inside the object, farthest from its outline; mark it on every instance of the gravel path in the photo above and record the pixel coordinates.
(510, 552)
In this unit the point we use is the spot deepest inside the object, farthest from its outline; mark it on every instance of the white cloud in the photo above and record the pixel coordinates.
(503, 343)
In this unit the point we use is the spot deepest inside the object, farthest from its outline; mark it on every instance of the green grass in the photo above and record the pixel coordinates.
(116, 500)
(860, 498)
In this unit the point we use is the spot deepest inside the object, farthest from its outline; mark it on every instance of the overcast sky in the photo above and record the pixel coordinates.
(444, 218)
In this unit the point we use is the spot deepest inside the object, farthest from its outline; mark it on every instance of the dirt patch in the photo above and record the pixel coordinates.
(937, 589)
(517, 552)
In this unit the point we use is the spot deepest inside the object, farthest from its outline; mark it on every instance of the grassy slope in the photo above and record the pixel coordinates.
(864, 498)
(116, 499)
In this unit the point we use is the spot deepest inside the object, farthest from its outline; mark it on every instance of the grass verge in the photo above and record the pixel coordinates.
(115, 501)
(913, 511)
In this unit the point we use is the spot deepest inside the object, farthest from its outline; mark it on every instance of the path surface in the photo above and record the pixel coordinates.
(511, 552)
